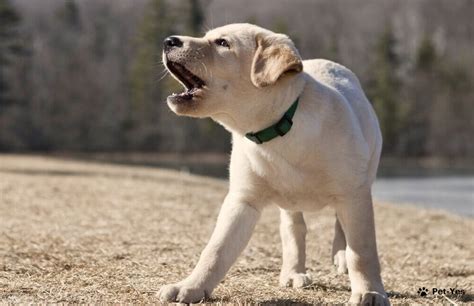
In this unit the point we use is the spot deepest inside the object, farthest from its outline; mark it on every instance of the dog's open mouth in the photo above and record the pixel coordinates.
(191, 82)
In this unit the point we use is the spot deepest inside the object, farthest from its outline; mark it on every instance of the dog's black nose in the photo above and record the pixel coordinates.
(171, 42)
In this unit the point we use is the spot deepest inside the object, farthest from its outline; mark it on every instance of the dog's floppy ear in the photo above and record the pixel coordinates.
(275, 55)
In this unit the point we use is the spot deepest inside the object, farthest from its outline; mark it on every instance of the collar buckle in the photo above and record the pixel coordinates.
(284, 125)
(281, 128)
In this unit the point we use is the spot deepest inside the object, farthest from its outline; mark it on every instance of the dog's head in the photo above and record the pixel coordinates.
(228, 66)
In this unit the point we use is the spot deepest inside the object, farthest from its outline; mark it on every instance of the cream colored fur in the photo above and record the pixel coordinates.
(329, 157)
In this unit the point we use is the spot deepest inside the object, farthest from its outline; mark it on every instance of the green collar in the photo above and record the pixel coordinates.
(280, 128)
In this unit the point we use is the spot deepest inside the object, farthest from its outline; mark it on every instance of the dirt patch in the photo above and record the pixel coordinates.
(84, 232)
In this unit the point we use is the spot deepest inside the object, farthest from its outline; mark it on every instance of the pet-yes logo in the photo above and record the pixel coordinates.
(424, 292)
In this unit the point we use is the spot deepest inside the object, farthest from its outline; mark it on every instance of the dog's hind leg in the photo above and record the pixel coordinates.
(356, 215)
(339, 248)
(293, 235)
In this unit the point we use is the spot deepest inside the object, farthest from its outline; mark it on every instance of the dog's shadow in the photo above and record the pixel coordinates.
(282, 302)
(323, 287)
(346, 289)
(313, 287)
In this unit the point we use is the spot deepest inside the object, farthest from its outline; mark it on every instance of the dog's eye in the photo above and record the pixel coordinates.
(222, 42)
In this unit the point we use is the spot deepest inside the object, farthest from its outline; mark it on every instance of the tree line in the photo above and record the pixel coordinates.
(87, 75)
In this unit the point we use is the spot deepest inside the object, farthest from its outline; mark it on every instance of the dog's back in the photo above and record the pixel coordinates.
(346, 83)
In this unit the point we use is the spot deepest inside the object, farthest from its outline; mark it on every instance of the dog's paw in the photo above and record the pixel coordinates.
(371, 298)
(181, 293)
(295, 280)
(340, 262)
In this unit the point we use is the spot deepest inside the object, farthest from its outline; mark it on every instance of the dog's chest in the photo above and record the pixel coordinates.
(295, 185)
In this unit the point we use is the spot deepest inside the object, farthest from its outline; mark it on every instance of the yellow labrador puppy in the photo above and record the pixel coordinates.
(304, 136)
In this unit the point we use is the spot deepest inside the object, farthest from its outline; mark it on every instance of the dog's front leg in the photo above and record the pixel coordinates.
(293, 235)
(234, 227)
(357, 219)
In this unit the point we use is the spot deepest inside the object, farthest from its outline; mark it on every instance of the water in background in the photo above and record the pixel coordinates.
(451, 193)
(442, 188)
(447, 188)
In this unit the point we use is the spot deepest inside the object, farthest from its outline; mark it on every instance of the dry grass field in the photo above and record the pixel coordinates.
(79, 232)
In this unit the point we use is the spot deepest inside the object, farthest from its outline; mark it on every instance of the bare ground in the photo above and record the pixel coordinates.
(81, 232)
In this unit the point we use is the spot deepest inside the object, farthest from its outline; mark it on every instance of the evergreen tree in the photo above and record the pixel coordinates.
(69, 108)
(66, 41)
(383, 90)
(422, 91)
(155, 27)
(451, 111)
(426, 55)
(196, 17)
(70, 15)
(14, 85)
(9, 48)
(146, 89)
